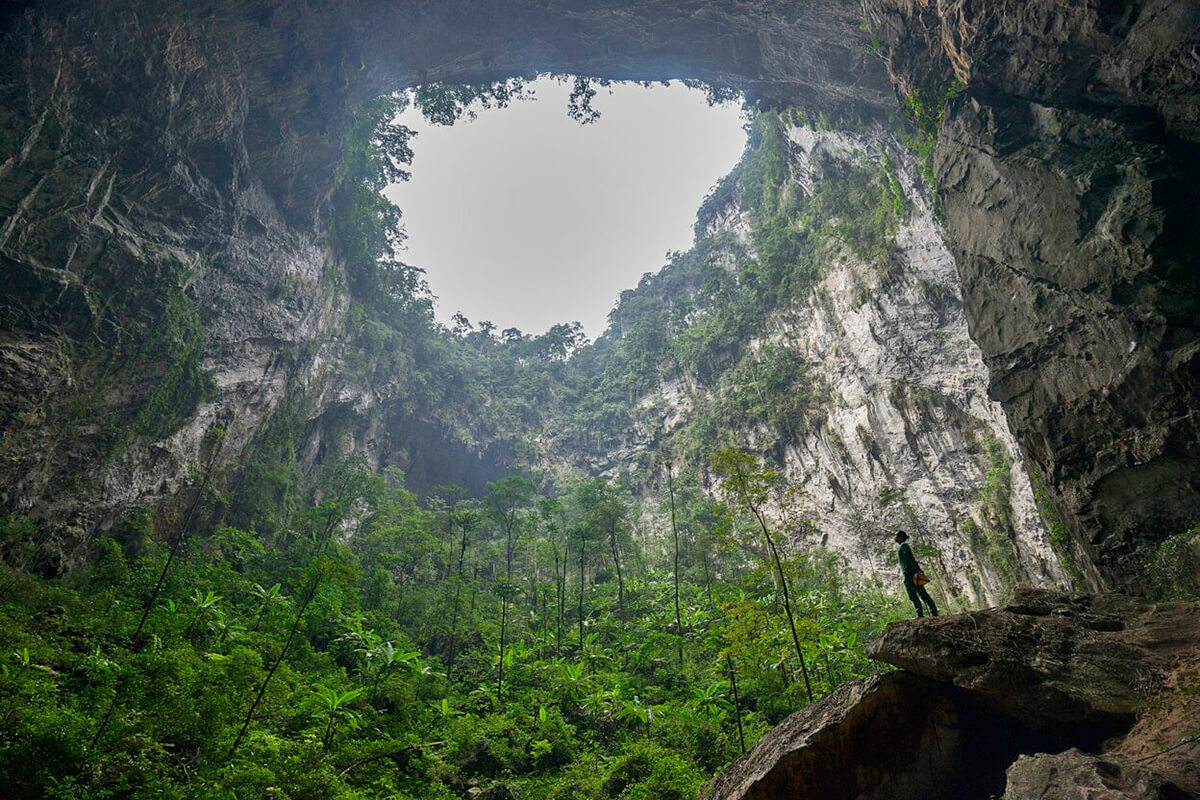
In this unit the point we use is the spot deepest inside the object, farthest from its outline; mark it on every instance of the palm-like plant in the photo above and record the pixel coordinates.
(381, 659)
(595, 654)
(598, 704)
(226, 629)
(572, 680)
(635, 712)
(362, 639)
(206, 604)
(267, 598)
(710, 700)
(335, 706)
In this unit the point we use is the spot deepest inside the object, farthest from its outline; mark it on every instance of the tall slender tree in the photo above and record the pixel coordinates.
(581, 532)
(506, 499)
(675, 571)
(606, 515)
(749, 483)
(468, 521)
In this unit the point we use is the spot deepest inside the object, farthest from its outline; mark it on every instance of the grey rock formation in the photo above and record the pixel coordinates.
(155, 299)
(1166, 738)
(888, 737)
(909, 436)
(1028, 690)
(1045, 656)
(1074, 775)
(905, 435)
(1067, 170)
(896, 736)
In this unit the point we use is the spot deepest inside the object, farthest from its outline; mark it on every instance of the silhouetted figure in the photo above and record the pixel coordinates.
(909, 564)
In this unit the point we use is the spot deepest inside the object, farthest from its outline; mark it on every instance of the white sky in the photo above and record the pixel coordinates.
(527, 218)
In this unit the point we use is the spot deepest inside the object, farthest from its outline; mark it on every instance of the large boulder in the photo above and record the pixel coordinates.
(1080, 776)
(876, 738)
(1050, 658)
(1047, 674)
(895, 736)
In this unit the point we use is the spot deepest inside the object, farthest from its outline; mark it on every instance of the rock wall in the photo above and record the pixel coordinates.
(1068, 173)
(168, 163)
(904, 434)
(154, 297)
(910, 435)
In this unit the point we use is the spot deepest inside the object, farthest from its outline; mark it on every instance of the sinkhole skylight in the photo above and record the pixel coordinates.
(525, 218)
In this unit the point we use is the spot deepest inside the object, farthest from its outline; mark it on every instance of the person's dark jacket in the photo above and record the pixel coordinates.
(908, 562)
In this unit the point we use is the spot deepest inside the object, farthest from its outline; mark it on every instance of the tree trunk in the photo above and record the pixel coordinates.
(558, 600)
(675, 534)
(737, 703)
(616, 554)
(453, 653)
(582, 560)
(500, 674)
(449, 543)
(787, 600)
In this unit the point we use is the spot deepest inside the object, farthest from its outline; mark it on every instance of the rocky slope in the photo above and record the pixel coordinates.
(1049, 675)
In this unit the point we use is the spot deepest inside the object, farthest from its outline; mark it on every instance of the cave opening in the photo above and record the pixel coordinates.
(908, 735)
(541, 209)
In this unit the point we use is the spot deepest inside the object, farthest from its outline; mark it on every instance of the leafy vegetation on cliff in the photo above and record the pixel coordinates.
(713, 319)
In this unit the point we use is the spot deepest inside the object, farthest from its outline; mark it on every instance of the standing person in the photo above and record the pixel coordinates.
(909, 564)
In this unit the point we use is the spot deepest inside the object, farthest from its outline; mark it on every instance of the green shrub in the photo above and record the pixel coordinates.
(1174, 570)
(646, 771)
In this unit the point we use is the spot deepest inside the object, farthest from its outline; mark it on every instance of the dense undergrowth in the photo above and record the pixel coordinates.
(387, 618)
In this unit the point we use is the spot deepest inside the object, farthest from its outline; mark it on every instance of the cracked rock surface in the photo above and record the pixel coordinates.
(1033, 700)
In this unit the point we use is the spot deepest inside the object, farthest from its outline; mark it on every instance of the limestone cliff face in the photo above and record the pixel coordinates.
(904, 435)
(1067, 170)
(911, 438)
(164, 296)
(153, 294)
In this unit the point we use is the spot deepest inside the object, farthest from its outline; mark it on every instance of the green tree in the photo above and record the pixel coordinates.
(507, 499)
(675, 569)
(335, 706)
(606, 514)
(749, 483)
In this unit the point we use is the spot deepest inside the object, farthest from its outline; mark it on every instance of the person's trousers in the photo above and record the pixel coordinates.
(917, 594)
